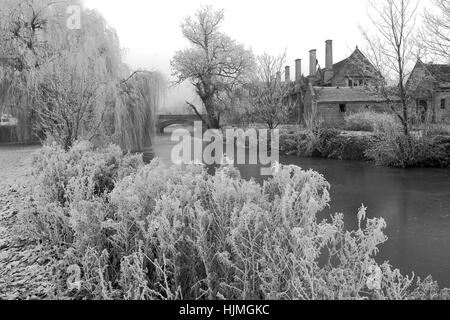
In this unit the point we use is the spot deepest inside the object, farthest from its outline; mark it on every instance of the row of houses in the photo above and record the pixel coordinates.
(354, 85)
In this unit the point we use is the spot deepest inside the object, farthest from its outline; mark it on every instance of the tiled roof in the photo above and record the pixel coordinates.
(348, 94)
(441, 72)
(339, 65)
(354, 64)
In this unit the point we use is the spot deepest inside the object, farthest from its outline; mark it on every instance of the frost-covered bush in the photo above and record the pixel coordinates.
(371, 121)
(326, 143)
(395, 149)
(309, 143)
(66, 179)
(180, 233)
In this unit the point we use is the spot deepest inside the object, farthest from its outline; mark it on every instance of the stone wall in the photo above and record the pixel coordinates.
(331, 113)
(442, 115)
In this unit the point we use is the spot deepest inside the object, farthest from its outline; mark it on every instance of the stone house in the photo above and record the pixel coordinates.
(332, 104)
(429, 88)
(354, 71)
(339, 88)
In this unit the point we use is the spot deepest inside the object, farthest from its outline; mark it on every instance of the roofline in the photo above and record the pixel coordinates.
(357, 101)
(428, 70)
(425, 66)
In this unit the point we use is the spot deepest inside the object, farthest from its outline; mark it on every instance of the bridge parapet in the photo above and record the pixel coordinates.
(166, 120)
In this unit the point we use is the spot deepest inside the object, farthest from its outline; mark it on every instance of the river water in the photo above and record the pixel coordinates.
(415, 204)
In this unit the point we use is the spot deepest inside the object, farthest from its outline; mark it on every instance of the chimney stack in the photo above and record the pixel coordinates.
(298, 70)
(312, 62)
(287, 74)
(329, 72)
(278, 78)
(329, 54)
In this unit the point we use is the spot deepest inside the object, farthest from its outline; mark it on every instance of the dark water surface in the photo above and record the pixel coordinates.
(415, 204)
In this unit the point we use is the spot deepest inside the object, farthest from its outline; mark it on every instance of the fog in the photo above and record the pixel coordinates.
(150, 31)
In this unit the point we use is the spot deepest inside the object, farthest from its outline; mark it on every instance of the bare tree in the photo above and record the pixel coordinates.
(391, 49)
(215, 64)
(65, 100)
(436, 33)
(269, 97)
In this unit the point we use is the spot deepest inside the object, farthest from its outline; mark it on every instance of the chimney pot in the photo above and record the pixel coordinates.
(278, 77)
(312, 62)
(298, 70)
(329, 54)
(287, 74)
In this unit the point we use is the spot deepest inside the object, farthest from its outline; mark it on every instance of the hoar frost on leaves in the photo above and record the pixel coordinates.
(153, 232)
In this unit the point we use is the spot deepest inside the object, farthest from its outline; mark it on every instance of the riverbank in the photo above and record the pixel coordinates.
(414, 202)
(329, 144)
(155, 218)
(28, 269)
(385, 149)
(25, 267)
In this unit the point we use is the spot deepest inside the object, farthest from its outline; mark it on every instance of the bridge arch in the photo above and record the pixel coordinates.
(165, 121)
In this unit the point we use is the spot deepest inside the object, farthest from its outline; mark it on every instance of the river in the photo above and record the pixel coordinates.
(415, 204)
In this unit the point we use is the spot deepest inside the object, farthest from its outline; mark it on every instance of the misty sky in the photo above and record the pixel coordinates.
(150, 29)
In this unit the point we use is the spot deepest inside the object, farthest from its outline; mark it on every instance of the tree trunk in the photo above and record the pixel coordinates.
(212, 119)
(403, 95)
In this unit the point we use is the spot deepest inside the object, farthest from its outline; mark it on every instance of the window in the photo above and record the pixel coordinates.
(443, 104)
(422, 104)
(357, 82)
(343, 108)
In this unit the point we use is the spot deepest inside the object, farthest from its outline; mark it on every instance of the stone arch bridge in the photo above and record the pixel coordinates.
(167, 120)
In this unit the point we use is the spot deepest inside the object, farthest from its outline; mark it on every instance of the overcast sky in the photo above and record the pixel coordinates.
(150, 29)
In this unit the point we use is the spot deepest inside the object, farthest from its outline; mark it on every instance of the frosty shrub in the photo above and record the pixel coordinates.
(325, 143)
(372, 122)
(180, 233)
(394, 149)
(64, 179)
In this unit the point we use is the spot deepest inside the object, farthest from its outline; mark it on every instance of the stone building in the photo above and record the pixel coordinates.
(331, 104)
(339, 88)
(429, 88)
(354, 71)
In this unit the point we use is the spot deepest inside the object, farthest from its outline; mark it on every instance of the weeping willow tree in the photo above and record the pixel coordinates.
(73, 84)
(135, 109)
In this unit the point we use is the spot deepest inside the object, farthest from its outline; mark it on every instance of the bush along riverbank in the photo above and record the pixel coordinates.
(400, 151)
(385, 149)
(377, 137)
(123, 230)
(327, 143)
